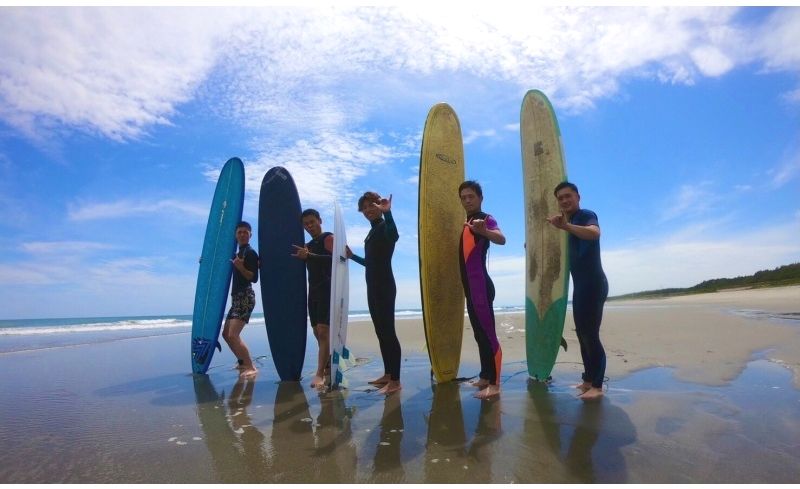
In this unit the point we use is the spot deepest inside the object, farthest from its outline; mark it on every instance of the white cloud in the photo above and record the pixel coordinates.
(473, 135)
(786, 171)
(323, 167)
(690, 258)
(119, 71)
(711, 61)
(778, 40)
(61, 247)
(128, 208)
(112, 71)
(690, 200)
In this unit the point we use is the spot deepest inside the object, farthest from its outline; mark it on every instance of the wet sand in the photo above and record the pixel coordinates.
(129, 412)
(707, 338)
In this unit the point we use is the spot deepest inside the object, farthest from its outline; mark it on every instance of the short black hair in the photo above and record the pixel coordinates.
(244, 224)
(368, 197)
(566, 184)
(474, 185)
(310, 212)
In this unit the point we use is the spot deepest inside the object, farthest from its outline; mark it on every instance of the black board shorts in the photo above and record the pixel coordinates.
(242, 305)
(319, 307)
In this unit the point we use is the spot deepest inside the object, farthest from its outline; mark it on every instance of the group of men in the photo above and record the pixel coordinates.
(480, 230)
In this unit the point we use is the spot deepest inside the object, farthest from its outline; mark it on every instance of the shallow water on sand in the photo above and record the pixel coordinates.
(128, 411)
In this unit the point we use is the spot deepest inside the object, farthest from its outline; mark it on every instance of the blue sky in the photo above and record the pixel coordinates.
(681, 127)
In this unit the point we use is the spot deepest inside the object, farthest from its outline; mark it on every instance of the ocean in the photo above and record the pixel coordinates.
(35, 334)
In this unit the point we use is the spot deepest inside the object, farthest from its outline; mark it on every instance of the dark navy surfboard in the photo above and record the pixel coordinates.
(283, 277)
(214, 275)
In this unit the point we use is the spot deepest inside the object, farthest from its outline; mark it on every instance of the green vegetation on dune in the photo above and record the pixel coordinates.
(778, 277)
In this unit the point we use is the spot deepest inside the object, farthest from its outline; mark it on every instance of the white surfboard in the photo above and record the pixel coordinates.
(340, 289)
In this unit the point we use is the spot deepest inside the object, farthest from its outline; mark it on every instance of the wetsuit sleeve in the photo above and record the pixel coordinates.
(251, 263)
(590, 219)
(358, 260)
(390, 229)
(491, 223)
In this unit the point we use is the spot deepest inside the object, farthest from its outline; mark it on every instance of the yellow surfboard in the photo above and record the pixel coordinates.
(441, 221)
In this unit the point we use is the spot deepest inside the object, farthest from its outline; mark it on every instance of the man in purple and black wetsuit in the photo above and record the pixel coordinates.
(479, 230)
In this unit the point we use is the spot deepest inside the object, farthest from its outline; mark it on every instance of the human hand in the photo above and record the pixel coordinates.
(477, 226)
(385, 205)
(301, 252)
(559, 221)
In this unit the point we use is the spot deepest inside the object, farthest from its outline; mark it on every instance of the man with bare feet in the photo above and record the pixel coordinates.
(381, 287)
(245, 273)
(480, 230)
(589, 283)
(317, 255)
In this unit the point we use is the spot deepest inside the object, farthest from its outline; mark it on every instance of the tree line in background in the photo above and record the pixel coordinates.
(778, 277)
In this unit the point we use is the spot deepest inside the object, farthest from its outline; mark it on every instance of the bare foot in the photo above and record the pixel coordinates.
(318, 381)
(381, 381)
(248, 372)
(591, 394)
(480, 383)
(391, 386)
(583, 387)
(489, 391)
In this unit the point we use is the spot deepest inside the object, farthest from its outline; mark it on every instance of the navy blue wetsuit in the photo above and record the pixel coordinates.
(589, 295)
(382, 290)
(319, 281)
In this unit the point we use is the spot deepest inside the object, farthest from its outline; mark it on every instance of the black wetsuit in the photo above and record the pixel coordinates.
(382, 290)
(588, 297)
(319, 281)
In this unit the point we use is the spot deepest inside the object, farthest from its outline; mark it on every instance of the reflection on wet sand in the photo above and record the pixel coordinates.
(593, 432)
(387, 464)
(235, 445)
(450, 456)
(334, 458)
(292, 433)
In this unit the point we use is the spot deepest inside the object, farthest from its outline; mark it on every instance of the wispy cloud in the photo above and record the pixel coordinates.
(323, 167)
(281, 67)
(62, 247)
(128, 208)
(690, 258)
(690, 200)
(110, 71)
(471, 136)
(786, 171)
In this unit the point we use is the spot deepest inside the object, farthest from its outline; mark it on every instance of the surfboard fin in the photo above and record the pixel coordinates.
(201, 349)
(563, 343)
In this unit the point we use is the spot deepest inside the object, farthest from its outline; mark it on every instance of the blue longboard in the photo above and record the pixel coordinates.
(214, 275)
(283, 277)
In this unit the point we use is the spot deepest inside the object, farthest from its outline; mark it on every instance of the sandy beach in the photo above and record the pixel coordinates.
(706, 338)
(701, 389)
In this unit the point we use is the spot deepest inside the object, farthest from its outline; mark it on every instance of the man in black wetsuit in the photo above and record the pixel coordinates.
(243, 299)
(317, 255)
(381, 287)
(589, 284)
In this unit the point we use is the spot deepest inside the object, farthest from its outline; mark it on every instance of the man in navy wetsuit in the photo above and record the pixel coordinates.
(590, 287)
